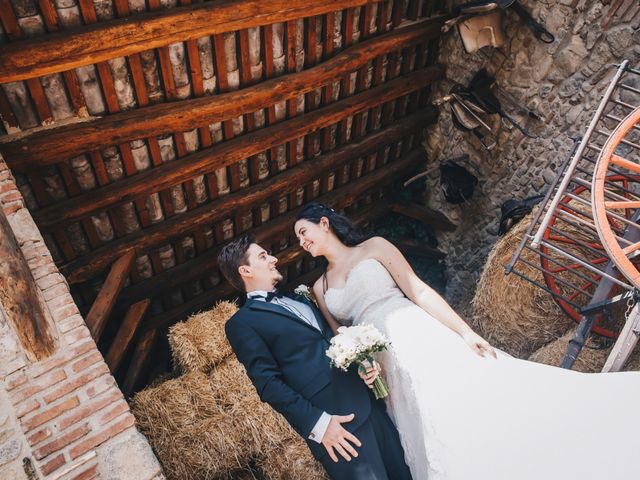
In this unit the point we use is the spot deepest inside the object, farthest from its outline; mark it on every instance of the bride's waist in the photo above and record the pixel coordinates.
(387, 307)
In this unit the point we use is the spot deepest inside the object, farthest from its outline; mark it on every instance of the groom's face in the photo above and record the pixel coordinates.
(261, 269)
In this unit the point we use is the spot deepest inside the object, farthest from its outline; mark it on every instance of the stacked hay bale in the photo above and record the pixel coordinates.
(510, 312)
(592, 357)
(524, 320)
(209, 423)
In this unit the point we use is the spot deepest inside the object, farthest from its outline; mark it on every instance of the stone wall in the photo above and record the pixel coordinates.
(63, 417)
(561, 82)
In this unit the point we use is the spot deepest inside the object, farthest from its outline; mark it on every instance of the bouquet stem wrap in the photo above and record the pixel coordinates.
(380, 388)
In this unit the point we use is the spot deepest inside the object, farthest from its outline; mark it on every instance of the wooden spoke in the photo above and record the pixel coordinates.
(628, 250)
(624, 163)
(622, 205)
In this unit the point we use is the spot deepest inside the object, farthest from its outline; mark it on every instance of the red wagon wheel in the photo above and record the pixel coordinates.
(621, 152)
(587, 280)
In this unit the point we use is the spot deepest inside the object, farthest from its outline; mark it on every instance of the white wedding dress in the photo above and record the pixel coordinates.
(464, 417)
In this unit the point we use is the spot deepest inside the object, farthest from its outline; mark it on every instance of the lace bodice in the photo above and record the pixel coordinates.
(369, 288)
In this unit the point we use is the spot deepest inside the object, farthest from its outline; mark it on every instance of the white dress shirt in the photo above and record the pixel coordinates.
(304, 312)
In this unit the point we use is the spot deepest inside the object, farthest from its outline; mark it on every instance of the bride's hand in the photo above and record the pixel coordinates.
(479, 344)
(371, 374)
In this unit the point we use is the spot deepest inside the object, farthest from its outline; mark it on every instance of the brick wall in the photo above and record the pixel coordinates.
(63, 417)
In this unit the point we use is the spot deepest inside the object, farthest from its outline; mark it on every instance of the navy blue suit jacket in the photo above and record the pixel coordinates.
(286, 360)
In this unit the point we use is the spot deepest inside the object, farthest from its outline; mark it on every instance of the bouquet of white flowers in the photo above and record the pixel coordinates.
(357, 344)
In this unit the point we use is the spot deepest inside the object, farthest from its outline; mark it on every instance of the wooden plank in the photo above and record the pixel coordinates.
(106, 299)
(139, 361)
(54, 145)
(86, 267)
(409, 246)
(227, 153)
(204, 263)
(125, 334)
(89, 44)
(285, 257)
(21, 298)
(426, 215)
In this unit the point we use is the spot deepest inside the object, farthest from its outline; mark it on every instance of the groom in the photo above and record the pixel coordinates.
(281, 340)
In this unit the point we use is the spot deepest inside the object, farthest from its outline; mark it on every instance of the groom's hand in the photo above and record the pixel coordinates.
(336, 439)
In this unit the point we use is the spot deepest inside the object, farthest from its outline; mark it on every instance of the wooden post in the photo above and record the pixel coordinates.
(626, 342)
(21, 298)
(125, 334)
(101, 308)
(139, 361)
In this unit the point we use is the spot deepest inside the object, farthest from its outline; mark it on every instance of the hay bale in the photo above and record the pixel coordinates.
(199, 343)
(210, 423)
(510, 312)
(591, 358)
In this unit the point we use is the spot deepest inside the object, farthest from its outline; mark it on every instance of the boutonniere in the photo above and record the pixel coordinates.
(304, 291)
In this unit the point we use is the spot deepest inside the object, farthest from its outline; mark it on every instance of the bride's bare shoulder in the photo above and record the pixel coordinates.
(376, 244)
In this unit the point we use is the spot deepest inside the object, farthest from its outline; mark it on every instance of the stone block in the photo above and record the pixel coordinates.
(128, 457)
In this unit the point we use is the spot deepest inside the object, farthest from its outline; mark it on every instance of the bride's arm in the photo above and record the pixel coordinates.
(423, 295)
(322, 306)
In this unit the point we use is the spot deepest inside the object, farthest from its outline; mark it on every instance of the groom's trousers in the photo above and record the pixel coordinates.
(379, 458)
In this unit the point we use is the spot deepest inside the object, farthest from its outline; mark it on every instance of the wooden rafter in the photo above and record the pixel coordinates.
(89, 44)
(58, 144)
(139, 361)
(106, 299)
(21, 299)
(227, 153)
(286, 257)
(425, 214)
(125, 334)
(86, 267)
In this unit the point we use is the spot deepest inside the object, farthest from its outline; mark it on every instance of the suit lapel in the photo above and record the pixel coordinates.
(277, 309)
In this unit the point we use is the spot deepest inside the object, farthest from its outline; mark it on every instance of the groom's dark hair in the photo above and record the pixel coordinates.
(232, 256)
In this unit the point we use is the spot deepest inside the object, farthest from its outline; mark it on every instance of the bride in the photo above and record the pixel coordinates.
(464, 410)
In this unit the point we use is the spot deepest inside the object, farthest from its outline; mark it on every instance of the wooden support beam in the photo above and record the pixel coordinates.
(198, 266)
(89, 44)
(139, 361)
(106, 299)
(88, 266)
(426, 215)
(409, 246)
(21, 298)
(224, 154)
(54, 145)
(286, 257)
(125, 334)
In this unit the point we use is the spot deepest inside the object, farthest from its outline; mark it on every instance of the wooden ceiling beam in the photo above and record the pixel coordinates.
(139, 361)
(21, 298)
(87, 266)
(224, 154)
(198, 267)
(125, 334)
(90, 44)
(224, 290)
(106, 299)
(46, 147)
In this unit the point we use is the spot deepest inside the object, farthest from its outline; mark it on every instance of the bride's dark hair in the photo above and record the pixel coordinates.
(346, 231)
